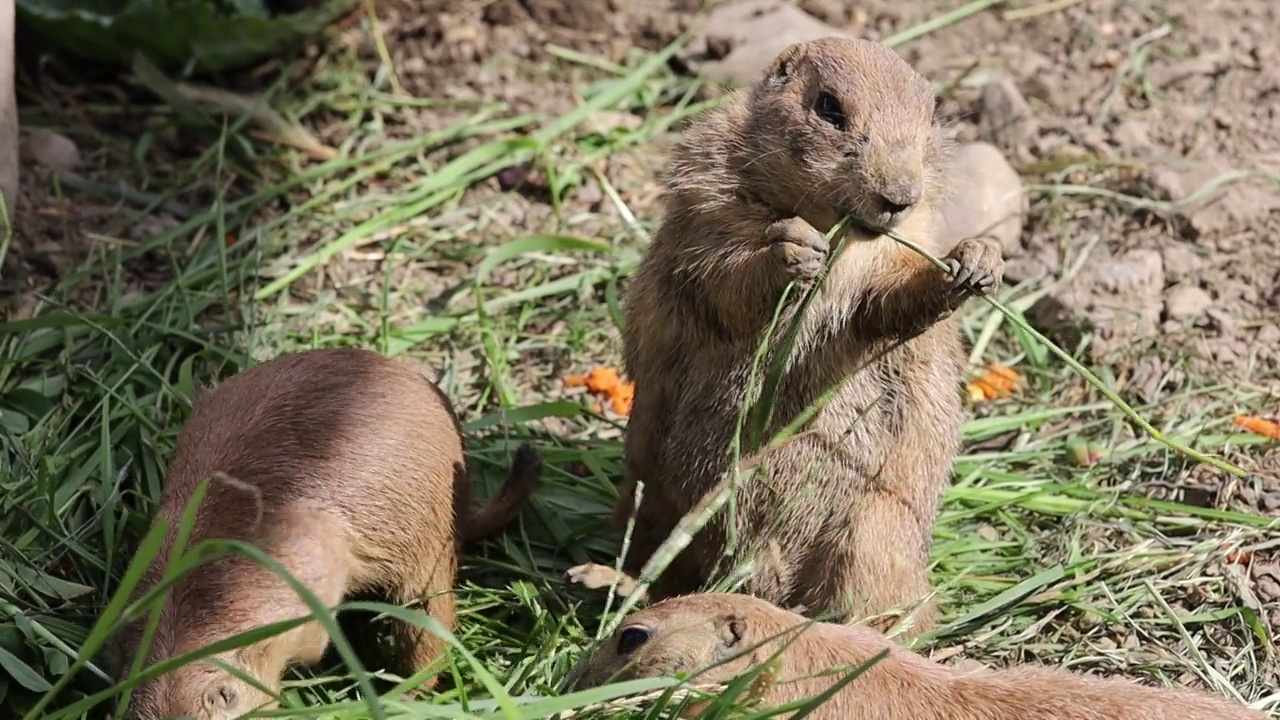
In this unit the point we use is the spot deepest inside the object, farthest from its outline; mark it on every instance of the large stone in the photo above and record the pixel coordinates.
(739, 39)
(986, 199)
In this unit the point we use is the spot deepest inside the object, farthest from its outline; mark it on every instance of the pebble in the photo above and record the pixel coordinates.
(52, 150)
(1185, 302)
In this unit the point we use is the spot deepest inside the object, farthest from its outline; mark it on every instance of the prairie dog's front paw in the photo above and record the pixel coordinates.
(798, 247)
(595, 576)
(977, 267)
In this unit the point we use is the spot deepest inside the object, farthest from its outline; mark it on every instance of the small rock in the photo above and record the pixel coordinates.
(969, 666)
(1133, 135)
(1180, 260)
(1036, 87)
(1164, 74)
(52, 150)
(1220, 320)
(149, 226)
(590, 194)
(986, 199)
(1226, 355)
(1136, 271)
(607, 121)
(1119, 297)
(1006, 120)
(413, 65)
(1176, 183)
(510, 177)
(718, 47)
(1266, 579)
(828, 11)
(1185, 302)
(1150, 376)
(1094, 140)
(1269, 502)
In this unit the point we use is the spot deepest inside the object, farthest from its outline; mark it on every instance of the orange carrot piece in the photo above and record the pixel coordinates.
(1259, 426)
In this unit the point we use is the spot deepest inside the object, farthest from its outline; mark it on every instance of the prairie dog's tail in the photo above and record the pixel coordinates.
(502, 508)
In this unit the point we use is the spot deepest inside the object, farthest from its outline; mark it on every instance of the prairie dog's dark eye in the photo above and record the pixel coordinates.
(829, 108)
(631, 639)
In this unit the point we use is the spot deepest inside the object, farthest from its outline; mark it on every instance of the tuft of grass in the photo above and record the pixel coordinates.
(403, 245)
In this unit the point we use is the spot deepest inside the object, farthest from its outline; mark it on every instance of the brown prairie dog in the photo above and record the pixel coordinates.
(693, 632)
(841, 520)
(358, 464)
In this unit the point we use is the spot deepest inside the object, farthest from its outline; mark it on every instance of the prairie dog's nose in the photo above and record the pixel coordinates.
(899, 195)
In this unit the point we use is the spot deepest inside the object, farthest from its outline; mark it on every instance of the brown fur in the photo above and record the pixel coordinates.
(737, 632)
(841, 519)
(356, 464)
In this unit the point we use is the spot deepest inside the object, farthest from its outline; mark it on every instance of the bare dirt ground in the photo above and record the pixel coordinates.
(1147, 133)
(1151, 99)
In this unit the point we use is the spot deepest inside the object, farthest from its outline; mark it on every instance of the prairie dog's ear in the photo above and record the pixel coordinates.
(199, 393)
(784, 64)
(732, 631)
(221, 698)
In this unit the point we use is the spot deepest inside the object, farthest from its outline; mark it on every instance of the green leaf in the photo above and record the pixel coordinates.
(22, 672)
(51, 586)
(524, 415)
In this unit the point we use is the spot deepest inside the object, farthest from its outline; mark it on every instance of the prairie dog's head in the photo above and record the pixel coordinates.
(198, 691)
(687, 634)
(851, 125)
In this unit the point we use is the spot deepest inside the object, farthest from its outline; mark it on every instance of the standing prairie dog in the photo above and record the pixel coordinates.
(354, 479)
(734, 633)
(840, 521)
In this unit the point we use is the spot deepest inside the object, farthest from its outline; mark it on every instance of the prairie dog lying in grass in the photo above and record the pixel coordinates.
(694, 632)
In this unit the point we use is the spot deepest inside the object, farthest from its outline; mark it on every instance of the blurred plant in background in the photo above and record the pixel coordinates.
(191, 37)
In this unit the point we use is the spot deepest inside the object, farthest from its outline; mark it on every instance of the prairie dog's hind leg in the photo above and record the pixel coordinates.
(871, 571)
(415, 648)
(887, 570)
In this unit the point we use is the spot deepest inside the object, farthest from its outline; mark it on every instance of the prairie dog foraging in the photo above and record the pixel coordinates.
(738, 632)
(356, 461)
(841, 519)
